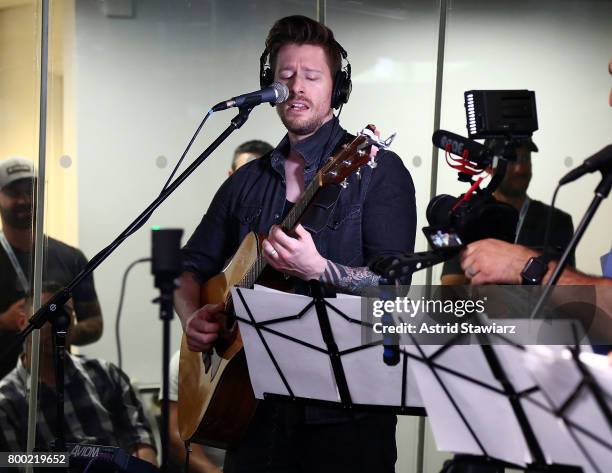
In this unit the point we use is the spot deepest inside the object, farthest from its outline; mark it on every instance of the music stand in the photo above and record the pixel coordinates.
(481, 401)
(310, 350)
(578, 389)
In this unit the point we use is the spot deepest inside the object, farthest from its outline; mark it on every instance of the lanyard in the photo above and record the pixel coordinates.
(25, 285)
(521, 220)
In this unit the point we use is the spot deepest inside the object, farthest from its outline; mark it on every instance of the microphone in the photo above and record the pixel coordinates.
(600, 161)
(458, 145)
(275, 93)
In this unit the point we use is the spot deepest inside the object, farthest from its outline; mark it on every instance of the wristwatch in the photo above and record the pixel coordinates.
(535, 270)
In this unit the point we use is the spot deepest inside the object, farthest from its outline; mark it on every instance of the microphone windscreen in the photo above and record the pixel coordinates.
(282, 92)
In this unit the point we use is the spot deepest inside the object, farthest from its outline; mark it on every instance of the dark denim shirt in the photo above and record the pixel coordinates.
(374, 216)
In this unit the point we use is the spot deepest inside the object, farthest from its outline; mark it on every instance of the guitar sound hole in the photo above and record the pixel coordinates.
(207, 360)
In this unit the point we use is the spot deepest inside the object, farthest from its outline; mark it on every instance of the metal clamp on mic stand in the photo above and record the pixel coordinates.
(397, 271)
(166, 266)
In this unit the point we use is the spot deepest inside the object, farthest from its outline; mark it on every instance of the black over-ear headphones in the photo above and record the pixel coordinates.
(341, 89)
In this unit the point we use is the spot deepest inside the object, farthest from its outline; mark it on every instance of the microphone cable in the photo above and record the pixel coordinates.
(120, 307)
(197, 132)
(549, 222)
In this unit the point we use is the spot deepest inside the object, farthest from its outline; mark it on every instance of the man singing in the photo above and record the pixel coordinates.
(374, 216)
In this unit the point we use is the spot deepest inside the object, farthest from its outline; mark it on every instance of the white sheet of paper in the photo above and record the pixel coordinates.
(307, 370)
(558, 376)
(489, 414)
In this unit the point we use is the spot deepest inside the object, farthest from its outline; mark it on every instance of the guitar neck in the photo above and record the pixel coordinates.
(288, 223)
(293, 217)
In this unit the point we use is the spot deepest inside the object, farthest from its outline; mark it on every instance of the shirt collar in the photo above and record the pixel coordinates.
(313, 149)
(23, 374)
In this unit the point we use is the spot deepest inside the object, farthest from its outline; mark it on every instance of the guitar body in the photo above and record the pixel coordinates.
(215, 405)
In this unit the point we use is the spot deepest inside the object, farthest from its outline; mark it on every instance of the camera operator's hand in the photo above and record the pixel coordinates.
(494, 262)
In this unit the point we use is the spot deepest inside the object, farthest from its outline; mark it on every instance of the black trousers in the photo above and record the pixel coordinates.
(279, 440)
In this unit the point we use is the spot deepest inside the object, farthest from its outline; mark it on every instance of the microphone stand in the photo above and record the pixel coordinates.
(47, 312)
(60, 323)
(601, 192)
(166, 266)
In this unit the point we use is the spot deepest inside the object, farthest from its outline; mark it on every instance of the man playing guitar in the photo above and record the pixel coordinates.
(373, 216)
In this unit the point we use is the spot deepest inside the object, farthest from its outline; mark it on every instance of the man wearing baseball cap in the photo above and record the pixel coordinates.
(61, 262)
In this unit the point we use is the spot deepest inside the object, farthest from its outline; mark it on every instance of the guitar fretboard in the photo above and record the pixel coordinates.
(289, 222)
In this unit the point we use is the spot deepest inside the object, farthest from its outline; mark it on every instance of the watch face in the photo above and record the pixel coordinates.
(534, 271)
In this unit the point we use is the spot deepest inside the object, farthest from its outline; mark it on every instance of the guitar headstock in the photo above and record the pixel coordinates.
(353, 156)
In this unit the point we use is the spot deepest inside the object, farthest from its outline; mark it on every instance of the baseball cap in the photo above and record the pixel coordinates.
(13, 169)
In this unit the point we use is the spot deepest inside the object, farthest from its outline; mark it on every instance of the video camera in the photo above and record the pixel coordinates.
(505, 118)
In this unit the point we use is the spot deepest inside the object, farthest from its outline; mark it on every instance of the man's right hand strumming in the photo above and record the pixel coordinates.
(202, 327)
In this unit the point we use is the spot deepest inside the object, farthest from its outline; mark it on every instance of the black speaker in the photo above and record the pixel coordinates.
(166, 261)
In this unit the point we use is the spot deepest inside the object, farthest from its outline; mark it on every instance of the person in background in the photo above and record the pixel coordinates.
(247, 152)
(61, 263)
(100, 404)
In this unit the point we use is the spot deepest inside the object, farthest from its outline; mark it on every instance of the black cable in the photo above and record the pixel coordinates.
(210, 112)
(551, 211)
(121, 296)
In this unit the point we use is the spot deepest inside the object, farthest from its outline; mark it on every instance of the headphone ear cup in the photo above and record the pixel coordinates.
(266, 77)
(341, 90)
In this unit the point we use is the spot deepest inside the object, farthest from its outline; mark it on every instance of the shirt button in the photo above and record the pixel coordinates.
(276, 216)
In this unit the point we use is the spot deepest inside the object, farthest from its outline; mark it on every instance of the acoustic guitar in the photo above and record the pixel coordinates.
(215, 397)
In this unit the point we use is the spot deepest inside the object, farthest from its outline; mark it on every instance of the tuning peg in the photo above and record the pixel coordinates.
(344, 184)
(358, 173)
(389, 140)
(372, 163)
(375, 140)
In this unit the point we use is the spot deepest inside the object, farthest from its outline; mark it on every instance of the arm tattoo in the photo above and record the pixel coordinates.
(347, 279)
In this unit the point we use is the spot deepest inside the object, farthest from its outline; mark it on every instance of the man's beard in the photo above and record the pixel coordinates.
(307, 127)
(514, 191)
(12, 218)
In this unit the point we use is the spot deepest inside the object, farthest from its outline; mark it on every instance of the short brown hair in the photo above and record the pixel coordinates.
(300, 29)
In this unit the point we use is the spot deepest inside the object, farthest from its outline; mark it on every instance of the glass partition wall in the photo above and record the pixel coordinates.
(129, 81)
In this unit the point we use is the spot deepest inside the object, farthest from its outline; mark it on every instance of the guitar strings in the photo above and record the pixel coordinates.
(251, 276)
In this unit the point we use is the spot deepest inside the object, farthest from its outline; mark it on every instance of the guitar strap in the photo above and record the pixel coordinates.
(318, 212)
